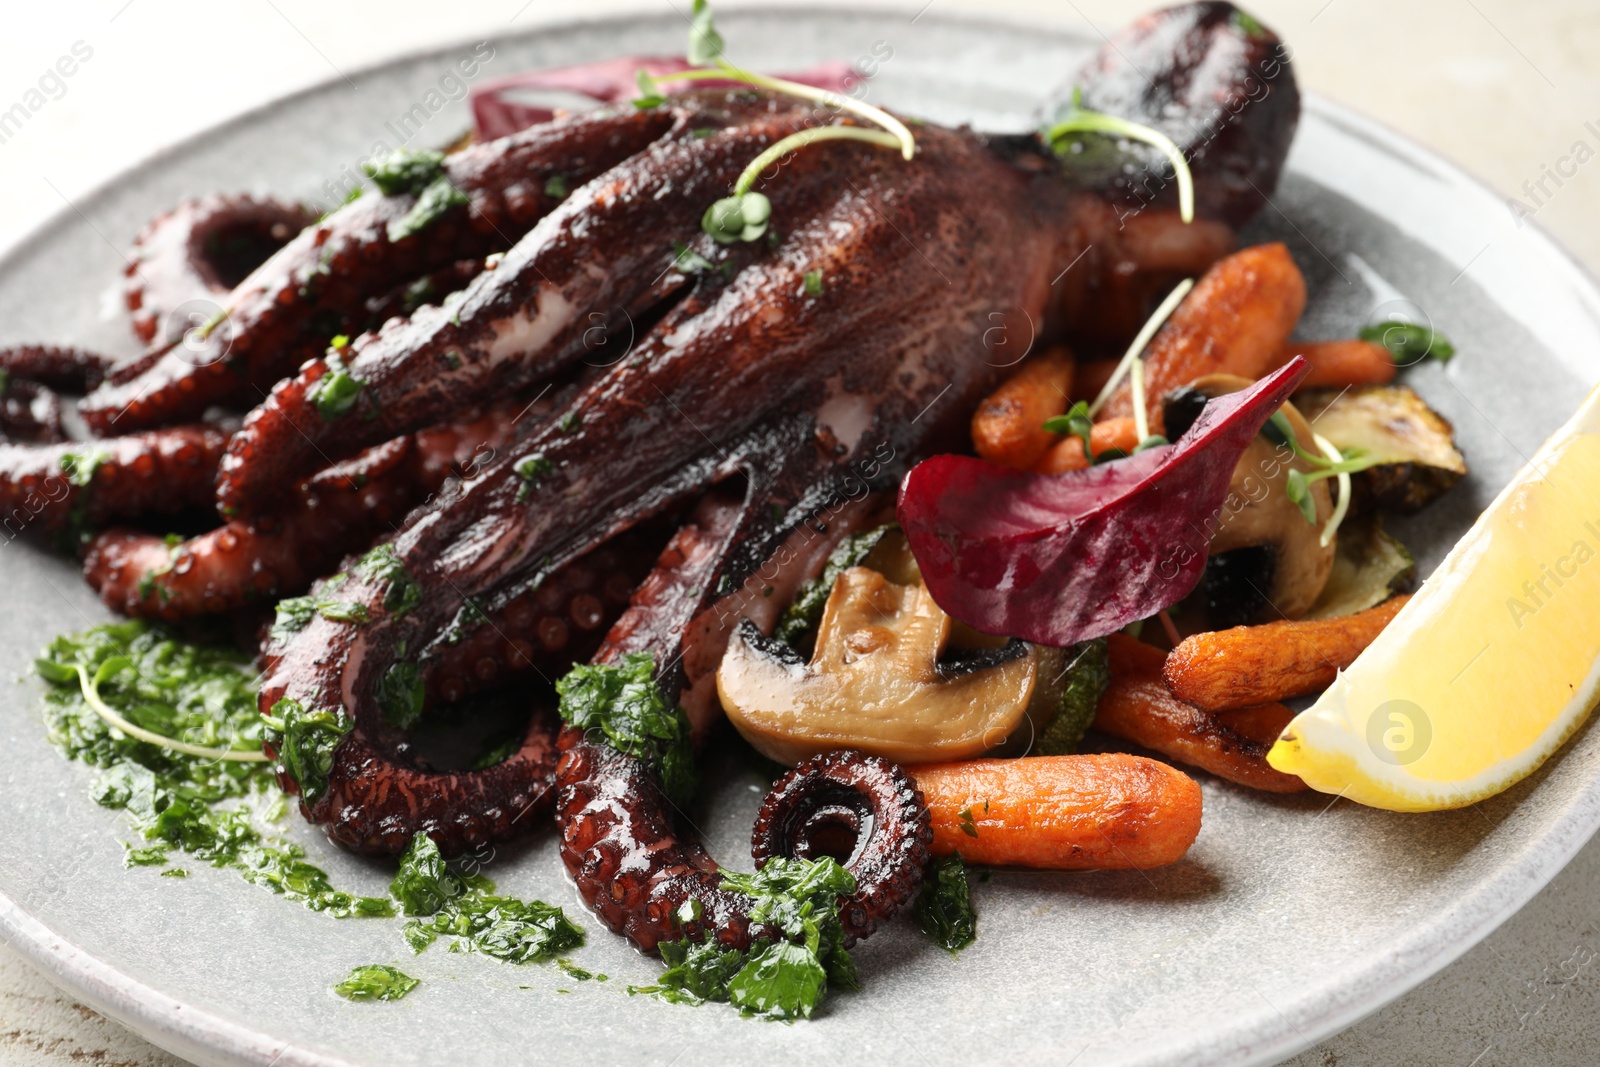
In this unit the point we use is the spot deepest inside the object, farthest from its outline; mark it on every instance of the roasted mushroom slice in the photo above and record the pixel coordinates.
(1267, 562)
(1391, 423)
(882, 680)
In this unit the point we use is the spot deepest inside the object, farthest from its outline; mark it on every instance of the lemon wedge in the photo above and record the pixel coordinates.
(1490, 667)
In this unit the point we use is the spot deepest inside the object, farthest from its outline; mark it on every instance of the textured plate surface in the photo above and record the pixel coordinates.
(1289, 918)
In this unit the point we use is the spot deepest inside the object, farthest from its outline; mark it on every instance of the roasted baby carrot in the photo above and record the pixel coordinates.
(1008, 427)
(1256, 664)
(1336, 364)
(1067, 453)
(1108, 811)
(1139, 707)
(1236, 321)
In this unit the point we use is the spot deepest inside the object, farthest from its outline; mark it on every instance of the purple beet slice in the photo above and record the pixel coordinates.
(1061, 558)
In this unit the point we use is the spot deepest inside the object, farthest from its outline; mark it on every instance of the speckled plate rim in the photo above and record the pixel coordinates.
(206, 1038)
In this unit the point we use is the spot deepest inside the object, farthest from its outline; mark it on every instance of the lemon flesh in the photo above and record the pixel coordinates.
(1490, 667)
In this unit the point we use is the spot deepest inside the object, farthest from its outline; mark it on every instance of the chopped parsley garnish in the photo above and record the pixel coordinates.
(214, 810)
(968, 825)
(433, 203)
(686, 260)
(572, 970)
(1409, 343)
(813, 283)
(624, 706)
(400, 694)
(532, 471)
(336, 392)
(383, 565)
(944, 907)
(570, 421)
(376, 981)
(556, 187)
(80, 468)
(405, 171)
(705, 43)
(425, 883)
(777, 980)
(305, 739)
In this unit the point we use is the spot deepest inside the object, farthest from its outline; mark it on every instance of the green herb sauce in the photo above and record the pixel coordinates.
(214, 810)
(626, 706)
(775, 980)
(944, 907)
(376, 981)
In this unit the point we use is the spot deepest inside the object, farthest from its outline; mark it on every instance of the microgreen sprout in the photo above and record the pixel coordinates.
(1328, 462)
(1077, 423)
(91, 696)
(743, 216)
(1409, 343)
(1080, 120)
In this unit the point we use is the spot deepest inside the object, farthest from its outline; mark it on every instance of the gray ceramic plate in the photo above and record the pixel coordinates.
(1289, 919)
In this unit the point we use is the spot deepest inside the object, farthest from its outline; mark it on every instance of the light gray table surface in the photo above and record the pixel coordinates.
(1509, 88)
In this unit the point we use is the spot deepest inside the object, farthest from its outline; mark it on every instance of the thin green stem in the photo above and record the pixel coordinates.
(91, 696)
(725, 71)
(1080, 121)
(1342, 508)
(799, 140)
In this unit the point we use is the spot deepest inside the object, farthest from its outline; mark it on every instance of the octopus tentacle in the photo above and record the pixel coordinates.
(200, 250)
(30, 412)
(375, 803)
(157, 472)
(59, 367)
(864, 811)
(338, 511)
(591, 267)
(318, 284)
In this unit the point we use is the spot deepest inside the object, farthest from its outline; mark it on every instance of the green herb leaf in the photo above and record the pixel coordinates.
(376, 982)
(650, 94)
(433, 203)
(1075, 422)
(1408, 342)
(305, 740)
(555, 187)
(705, 43)
(944, 907)
(968, 825)
(400, 695)
(517, 931)
(782, 981)
(1155, 440)
(335, 393)
(686, 260)
(779, 980)
(1297, 487)
(628, 709)
(405, 171)
(532, 471)
(384, 565)
(813, 283)
(425, 883)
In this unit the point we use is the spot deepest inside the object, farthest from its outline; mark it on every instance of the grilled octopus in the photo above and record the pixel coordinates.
(819, 398)
(761, 396)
